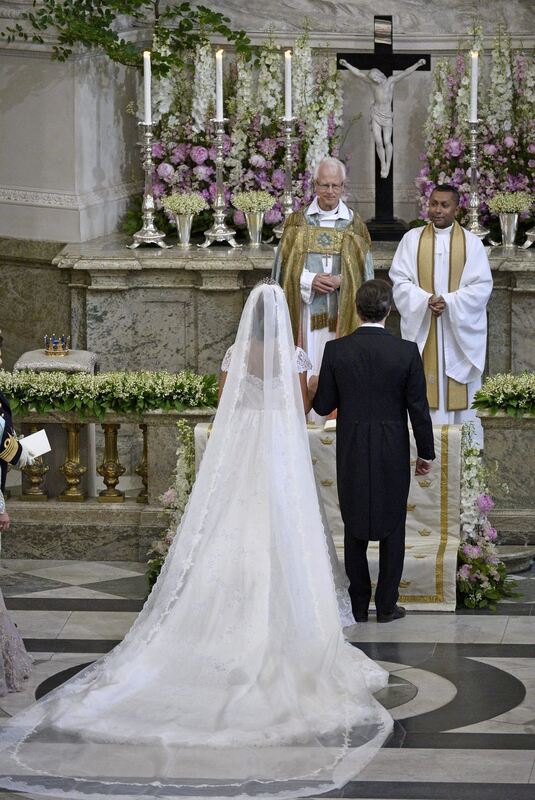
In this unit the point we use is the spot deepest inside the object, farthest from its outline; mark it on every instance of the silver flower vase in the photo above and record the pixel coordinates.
(183, 226)
(509, 225)
(255, 221)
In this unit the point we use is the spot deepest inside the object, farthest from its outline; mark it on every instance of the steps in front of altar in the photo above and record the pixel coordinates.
(90, 530)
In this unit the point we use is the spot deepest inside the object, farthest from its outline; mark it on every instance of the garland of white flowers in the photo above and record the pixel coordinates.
(329, 101)
(302, 76)
(269, 86)
(203, 87)
(500, 96)
(244, 109)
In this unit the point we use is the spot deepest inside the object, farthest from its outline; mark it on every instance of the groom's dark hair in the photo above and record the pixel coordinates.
(374, 300)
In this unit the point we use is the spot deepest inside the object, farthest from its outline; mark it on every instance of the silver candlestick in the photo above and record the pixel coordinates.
(149, 233)
(473, 215)
(219, 232)
(287, 195)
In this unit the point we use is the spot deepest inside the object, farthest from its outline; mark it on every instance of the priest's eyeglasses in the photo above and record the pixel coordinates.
(336, 187)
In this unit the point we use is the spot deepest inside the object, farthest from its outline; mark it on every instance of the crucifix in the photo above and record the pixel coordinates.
(377, 71)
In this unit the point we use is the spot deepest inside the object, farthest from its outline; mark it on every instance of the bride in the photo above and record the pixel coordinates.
(235, 680)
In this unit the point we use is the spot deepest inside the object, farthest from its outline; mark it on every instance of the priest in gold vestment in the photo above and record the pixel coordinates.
(323, 257)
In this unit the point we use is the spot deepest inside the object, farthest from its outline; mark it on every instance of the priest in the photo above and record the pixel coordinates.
(442, 283)
(323, 257)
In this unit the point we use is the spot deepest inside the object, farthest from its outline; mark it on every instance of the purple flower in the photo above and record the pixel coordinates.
(268, 147)
(158, 188)
(165, 171)
(179, 153)
(531, 147)
(471, 551)
(199, 154)
(490, 149)
(277, 178)
(491, 533)
(238, 218)
(158, 150)
(257, 161)
(464, 572)
(272, 216)
(509, 141)
(453, 147)
(202, 173)
(484, 503)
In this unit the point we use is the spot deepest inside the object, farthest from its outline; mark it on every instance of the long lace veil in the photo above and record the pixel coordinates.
(235, 679)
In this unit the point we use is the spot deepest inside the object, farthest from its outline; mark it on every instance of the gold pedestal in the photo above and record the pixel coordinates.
(111, 469)
(35, 474)
(71, 468)
(142, 470)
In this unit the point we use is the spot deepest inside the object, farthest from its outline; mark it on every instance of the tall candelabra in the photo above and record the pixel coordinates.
(219, 232)
(287, 195)
(149, 233)
(473, 215)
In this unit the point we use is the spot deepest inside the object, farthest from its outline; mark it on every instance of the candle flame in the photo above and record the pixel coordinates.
(288, 54)
(474, 53)
(146, 53)
(220, 53)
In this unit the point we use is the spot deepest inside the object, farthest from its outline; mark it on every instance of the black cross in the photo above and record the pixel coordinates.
(384, 225)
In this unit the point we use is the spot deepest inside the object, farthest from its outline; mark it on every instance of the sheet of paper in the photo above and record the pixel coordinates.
(38, 443)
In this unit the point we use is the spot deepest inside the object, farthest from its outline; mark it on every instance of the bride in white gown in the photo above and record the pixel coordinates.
(235, 680)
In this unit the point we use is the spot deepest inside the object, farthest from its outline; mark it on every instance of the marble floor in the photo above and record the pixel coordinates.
(461, 691)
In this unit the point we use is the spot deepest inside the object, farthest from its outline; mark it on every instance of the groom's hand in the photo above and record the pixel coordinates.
(423, 467)
(312, 386)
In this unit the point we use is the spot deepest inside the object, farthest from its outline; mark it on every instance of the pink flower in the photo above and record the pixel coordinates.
(471, 551)
(453, 147)
(484, 503)
(158, 150)
(165, 171)
(202, 173)
(168, 498)
(490, 149)
(531, 147)
(257, 161)
(268, 147)
(199, 154)
(491, 533)
(509, 141)
(239, 218)
(179, 153)
(464, 572)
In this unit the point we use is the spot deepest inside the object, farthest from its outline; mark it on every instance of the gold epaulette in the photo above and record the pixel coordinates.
(11, 448)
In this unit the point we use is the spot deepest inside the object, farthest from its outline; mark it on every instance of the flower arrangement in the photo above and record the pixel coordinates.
(174, 499)
(253, 201)
(185, 203)
(481, 577)
(94, 395)
(506, 132)
(253, 149)
(510, 202)
(509, 393)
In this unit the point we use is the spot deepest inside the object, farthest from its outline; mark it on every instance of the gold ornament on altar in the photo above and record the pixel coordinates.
(57, 345)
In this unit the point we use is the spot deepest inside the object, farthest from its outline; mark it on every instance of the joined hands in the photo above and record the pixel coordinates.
(437, 304)
(324, 284)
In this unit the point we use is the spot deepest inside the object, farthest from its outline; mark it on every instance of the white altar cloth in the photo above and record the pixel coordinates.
(433, 516)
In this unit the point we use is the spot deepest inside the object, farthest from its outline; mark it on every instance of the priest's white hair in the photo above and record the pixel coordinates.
(329, 161)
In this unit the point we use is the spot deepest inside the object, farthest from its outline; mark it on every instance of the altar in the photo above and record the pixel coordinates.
(433, 516)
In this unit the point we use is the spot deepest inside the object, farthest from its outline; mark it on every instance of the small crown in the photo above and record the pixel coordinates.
(57, 345)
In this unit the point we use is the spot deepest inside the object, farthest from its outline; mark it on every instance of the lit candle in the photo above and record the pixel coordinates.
(219, 85)
(473, 86)
(147, 102)
(288, 84)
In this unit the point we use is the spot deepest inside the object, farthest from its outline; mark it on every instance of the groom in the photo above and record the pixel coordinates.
(374, 379)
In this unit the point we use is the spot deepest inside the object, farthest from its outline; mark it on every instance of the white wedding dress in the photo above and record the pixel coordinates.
(235, 680)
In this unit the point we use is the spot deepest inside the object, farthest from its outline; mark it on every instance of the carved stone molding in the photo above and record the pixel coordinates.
(50, 199)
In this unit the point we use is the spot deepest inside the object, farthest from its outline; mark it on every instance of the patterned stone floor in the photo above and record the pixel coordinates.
(462, 686)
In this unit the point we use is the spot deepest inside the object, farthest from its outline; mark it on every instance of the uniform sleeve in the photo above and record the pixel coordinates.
(2, 503)
(10, 447)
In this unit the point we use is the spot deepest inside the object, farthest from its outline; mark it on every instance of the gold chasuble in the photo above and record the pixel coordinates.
(351, 243)
(457, 393)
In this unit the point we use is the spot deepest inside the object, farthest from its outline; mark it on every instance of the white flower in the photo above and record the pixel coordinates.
(203, 86)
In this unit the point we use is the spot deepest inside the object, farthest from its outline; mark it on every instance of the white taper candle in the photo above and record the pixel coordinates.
(473, 85)
(147, 102)
(219, 85)
(288, 84)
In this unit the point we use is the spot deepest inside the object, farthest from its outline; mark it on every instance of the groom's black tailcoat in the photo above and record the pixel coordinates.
(374, 380)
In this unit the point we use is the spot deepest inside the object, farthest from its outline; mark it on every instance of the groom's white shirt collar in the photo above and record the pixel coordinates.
(371, 325)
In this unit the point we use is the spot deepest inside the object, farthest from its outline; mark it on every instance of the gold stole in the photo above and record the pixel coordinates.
(456, 393)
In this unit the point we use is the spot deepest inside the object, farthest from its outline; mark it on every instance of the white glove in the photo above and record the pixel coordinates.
(27, 458)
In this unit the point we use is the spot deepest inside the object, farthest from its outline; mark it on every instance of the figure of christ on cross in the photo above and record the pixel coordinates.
(381, 111)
